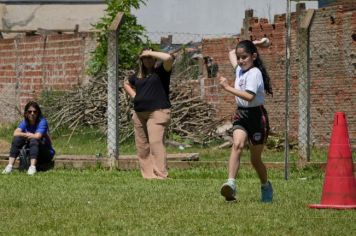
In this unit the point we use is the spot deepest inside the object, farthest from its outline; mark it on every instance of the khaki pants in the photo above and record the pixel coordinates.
(150, 130)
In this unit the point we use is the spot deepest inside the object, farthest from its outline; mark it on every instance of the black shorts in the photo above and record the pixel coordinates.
(254, 120)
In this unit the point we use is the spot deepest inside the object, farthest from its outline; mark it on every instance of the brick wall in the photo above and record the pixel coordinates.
(332, 70)
(31, 64)
(218, 49)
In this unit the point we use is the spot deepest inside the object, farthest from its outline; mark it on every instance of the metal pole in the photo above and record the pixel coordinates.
(287, 68)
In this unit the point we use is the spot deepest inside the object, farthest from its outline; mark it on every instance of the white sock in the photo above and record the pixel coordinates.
(231, 181)
(265, 184)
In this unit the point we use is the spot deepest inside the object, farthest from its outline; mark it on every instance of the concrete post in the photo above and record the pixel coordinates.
(303, 19)
(113, 90)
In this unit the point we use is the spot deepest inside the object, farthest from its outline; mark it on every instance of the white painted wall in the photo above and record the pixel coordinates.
(52, 16)
(205, 17)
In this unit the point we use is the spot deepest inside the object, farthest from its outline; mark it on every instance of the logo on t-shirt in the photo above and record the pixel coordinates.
(242, 83)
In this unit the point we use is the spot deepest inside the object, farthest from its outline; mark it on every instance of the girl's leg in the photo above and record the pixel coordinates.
(228, 190)
(11, 161)
(239, 140)
(266, 186)
(256, 161)
(142, 146)
(16, 145)
(34, 152)
(34, 149)
(156, 127)
(33, 162)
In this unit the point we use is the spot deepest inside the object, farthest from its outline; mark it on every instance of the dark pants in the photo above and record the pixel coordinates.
(37, 149)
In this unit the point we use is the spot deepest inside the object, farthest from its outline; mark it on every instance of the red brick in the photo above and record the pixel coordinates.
(31, 73)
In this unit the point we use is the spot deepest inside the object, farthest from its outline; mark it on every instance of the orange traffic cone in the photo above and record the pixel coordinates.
(339, 189)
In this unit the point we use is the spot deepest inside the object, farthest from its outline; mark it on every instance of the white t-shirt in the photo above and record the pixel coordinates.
(252, 81)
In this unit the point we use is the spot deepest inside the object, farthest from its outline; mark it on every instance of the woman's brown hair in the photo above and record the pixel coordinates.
(142, 70)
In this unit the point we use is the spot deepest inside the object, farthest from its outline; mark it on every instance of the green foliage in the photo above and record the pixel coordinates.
(132, 36)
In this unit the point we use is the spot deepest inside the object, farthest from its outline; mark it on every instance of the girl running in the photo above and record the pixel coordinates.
(251, 120)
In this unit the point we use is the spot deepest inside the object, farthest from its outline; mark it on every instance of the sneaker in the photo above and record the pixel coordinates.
(7, 170)
(267, 193)
(31, 170)
(228, 190)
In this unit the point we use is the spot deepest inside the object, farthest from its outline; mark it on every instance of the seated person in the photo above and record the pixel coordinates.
(32, 131)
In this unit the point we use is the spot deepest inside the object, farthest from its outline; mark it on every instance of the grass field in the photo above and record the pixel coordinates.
(99, 202)
(102, 202)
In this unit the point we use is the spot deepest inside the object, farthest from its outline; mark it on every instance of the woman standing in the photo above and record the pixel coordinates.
(149, 89)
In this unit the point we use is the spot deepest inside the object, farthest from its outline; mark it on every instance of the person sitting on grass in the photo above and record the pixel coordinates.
(33, 132)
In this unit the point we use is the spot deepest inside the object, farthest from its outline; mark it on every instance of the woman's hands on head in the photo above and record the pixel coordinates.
(146, 53)
(166, 58)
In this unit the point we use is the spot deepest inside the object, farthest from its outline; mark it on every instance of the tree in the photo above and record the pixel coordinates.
(132, 37)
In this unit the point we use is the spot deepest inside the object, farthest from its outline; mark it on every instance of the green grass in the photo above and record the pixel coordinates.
(99, 202)
(85, 142)
(90, 141)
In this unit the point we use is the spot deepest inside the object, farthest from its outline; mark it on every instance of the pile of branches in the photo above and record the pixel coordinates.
(191, 118)
(87, 106)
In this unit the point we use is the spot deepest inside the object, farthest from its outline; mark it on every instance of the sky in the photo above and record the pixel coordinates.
(205, 17)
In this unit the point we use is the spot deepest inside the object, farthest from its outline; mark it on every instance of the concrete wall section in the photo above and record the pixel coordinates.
(53, 16)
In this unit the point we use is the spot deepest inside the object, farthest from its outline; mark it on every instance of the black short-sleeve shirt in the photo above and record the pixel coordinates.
(152, 92)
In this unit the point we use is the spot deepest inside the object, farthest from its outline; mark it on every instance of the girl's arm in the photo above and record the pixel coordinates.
(232, 58)
(264, 42)
(166, 58)
(128, 88)
(241, 94)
